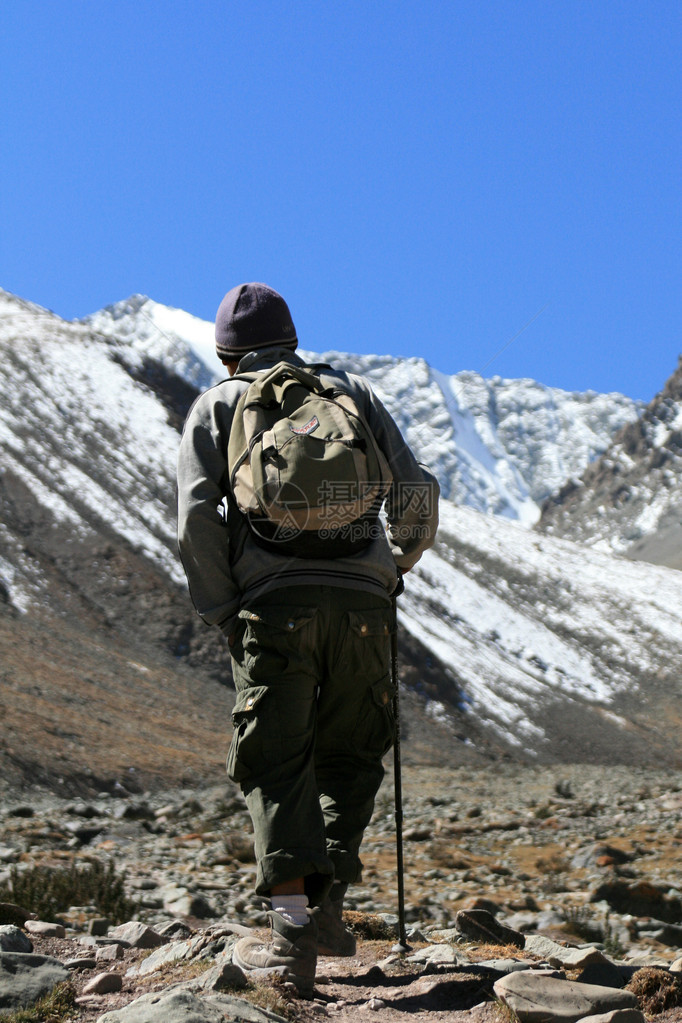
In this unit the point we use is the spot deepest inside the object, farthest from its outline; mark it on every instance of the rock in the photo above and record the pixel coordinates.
(134, 812)
(540, 945)
(8, 854)
(45, 929)
(223, 977)
(536, 998)
(104, 984)
(138, 935)
(641, 898)
(640, 959)
(435, 955)
(84, 833)
(617, 1016)
(173, 953)
(180, 1006)
(504, 965)
(82, 810)
(14, 940)
(80, 963)
(522, 921)
(480, 925)
(549, 919)
(599, 856)
(480, 902)
(676, 967)
(11, 914)
(417, 834)
(604, 974)
(180, 902)
(24, 978)
(167, 811)
(99, 926)
(21, 811)
(191, 905)
(576, 958)
(174, 929)
(667, 934)
(109, 953)
(87, 939)
(450, 934)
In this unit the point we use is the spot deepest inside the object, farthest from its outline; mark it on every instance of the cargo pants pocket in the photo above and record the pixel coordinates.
(369, 652)
(269, 642)
(375, 727)
(251, 746)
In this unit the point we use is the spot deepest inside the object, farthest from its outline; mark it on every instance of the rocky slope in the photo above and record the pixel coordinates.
(629, 501)
(559, 887)
(555, 649)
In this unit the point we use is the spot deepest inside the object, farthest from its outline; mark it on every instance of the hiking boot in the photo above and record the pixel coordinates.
(291, 952)
(334, 938)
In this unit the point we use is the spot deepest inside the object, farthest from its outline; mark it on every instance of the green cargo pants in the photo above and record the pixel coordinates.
(312, 721)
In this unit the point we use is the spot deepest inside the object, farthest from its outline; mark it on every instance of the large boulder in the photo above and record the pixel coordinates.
(24, 978)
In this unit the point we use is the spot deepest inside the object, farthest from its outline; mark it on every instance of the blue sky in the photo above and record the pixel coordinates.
(415, 178)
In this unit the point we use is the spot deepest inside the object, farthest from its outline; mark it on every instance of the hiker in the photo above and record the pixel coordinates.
(298, 575)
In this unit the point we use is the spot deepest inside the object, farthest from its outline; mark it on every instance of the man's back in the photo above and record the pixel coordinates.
(309, 641)
(217, 569)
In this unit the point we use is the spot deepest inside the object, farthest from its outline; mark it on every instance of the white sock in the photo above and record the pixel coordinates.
(293, 908)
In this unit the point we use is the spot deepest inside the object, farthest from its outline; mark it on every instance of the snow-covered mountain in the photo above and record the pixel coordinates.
(553, 645)
(511, 643)
(630, 500)
(500, 446)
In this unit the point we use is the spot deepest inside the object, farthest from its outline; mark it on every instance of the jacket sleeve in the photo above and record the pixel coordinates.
(412, 501)
(202, 534)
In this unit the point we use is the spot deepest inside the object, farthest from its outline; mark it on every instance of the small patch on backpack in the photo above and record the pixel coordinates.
(311, 425)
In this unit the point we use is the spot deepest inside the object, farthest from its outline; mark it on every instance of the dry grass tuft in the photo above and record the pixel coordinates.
(270, 995)
(55, 1007)
(504, 1012)
(370, 926)
(478, 953)
(656, 990)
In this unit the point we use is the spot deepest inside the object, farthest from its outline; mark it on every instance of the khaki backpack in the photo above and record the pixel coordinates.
(303, 465)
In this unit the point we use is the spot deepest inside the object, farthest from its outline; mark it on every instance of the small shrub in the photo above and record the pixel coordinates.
(49, 891)
(656, 990)
(580, 922)
(613, 946)
(552, 864)
(370, 926)
(543, 812)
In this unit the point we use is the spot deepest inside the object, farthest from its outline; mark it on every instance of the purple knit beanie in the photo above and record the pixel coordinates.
(252, 316)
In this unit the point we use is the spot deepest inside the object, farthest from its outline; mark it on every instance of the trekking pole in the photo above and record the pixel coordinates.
(402, 945)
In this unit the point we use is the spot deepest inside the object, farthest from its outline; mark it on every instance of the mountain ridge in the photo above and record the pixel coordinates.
(512, 643)
(500, 446)
(629, 500)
